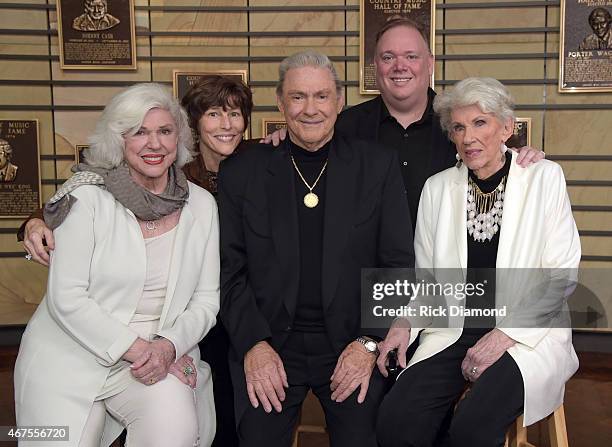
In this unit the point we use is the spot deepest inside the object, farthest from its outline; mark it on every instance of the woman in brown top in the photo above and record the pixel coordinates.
(219, 110)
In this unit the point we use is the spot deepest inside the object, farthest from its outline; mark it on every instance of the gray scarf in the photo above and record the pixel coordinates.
(144, 204)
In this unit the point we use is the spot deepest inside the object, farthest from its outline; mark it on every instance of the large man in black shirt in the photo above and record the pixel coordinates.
(298, 223)
(402, 116)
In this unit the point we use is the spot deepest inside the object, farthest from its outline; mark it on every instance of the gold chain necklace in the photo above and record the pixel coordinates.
(311, 200)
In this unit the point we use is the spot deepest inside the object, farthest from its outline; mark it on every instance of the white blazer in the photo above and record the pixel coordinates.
(537, 231)
(96, 279)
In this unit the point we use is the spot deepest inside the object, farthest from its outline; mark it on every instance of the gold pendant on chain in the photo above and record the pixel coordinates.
(311, 200)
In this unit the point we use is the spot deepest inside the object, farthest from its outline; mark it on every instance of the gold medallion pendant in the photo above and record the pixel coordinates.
(311, 200)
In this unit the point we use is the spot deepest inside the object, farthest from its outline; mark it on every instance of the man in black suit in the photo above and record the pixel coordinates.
(298, 223)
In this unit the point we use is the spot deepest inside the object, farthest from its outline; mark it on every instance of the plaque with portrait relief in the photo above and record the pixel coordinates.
(96, 34)
(373, 14)
(585, 49)
(522, 133)
(20, 192)
(269, 126)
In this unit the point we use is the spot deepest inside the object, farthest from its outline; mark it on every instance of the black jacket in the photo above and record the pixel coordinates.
(366, 224)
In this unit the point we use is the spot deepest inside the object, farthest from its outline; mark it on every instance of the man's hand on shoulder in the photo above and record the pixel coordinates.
(527, 155)
(265, 377)
(353, 369)
(36, 232)
(275, 137)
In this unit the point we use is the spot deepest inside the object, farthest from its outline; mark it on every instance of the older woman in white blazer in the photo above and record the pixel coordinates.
(485, 213)
(133, 287)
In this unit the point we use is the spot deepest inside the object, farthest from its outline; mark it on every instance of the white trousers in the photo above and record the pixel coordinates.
(159, 415)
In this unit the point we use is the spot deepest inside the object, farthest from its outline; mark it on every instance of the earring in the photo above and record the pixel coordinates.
(459, 161)
(504, 148)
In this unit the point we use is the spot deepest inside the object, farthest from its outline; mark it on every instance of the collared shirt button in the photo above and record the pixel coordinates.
(405, 163)
(406, 135)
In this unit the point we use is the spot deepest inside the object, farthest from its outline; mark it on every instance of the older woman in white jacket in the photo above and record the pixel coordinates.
(133, 287)
(485, 213)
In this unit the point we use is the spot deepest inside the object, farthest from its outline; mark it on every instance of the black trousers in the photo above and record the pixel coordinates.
(214, 349)
(418, 411)
(309, 363)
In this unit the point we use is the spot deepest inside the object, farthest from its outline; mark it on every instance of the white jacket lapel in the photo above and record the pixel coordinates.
(511, 234)
(458, 199)
(182, 232)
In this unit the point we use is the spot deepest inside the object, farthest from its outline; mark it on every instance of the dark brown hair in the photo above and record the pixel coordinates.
(396, 20)
(217, 91)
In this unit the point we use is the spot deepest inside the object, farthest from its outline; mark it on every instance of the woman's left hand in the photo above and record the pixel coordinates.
(484, 353)
(184, 369)
(154, 363)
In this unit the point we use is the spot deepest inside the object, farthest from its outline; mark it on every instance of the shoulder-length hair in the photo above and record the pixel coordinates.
(488, 94)
(123, 116)
(217, 91)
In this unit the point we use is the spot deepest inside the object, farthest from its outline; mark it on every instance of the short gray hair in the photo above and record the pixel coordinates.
(308, 58)
(124, 115)
(488, 94)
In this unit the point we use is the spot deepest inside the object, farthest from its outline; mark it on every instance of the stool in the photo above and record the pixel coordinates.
(310, 420)
(517, 434)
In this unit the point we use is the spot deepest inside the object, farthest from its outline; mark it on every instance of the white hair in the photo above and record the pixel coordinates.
(308, 58)
(124, 115)
(488, 94)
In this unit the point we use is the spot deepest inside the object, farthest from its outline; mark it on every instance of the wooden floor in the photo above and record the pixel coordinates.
(588, 404)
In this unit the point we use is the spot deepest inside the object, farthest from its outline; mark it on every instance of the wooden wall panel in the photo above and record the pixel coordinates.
(578, 132)
(561, 125)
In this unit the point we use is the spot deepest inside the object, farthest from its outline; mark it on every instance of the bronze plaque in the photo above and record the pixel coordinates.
(184, 80)
(79, 157)
(522, 133)
(96, 34)
(372, 15)
(270, 126)
(585, 55)
(20, 192)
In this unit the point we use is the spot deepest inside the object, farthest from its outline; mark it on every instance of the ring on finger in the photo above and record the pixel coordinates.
(28, 257)
(152, 381)
(474, 370)
(188, 370)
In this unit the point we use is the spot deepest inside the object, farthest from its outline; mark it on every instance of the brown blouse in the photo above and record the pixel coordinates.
(196, 172)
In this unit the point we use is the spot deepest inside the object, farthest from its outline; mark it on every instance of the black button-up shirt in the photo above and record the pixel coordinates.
(414, 149)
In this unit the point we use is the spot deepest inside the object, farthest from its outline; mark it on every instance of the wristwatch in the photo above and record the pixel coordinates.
(370, 345)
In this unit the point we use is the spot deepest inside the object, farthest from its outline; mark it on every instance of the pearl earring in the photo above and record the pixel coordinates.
(459, 161)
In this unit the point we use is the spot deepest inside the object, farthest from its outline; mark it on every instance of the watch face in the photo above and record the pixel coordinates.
(371, 346)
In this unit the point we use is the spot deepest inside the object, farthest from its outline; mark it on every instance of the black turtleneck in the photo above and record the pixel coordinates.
(309, 311)
(482, 256)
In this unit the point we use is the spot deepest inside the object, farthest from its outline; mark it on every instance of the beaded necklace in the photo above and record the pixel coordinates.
(484, 210)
